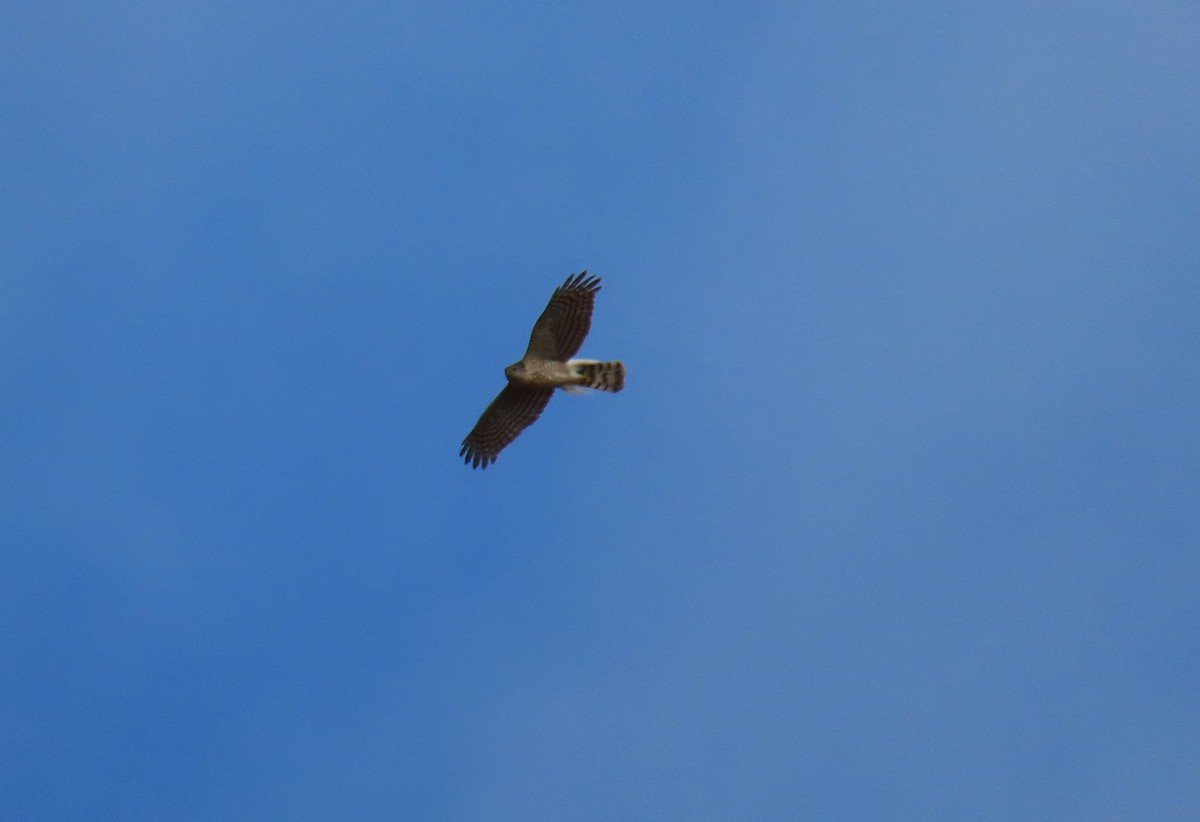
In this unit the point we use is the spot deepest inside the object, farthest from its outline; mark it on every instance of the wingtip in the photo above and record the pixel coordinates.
(581, 281)
(475, 459)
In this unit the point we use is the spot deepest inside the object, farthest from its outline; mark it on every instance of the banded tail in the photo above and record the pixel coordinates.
(607, 376)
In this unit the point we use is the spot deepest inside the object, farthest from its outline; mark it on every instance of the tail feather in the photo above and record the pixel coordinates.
(607, 376)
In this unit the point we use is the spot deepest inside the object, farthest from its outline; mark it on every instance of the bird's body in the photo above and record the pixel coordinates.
(541, 373)
(547, 364)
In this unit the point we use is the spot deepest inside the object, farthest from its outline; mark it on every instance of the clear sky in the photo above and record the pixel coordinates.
(898, 516)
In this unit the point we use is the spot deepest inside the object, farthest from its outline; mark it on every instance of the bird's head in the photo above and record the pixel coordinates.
(515, 370)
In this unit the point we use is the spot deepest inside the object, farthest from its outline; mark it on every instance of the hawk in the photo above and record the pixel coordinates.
(547, 365)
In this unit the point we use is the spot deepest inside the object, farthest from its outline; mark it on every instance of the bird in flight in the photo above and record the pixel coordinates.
(547, 365)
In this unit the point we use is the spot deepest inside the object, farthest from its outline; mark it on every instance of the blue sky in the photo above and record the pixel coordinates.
(897, 517)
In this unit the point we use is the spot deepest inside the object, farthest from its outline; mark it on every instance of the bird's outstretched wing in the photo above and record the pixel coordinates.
(509, 414)
(560, 330)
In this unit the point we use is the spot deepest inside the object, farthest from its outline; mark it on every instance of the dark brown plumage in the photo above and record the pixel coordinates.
(514, 408)
(560, 331)
(556, 336)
